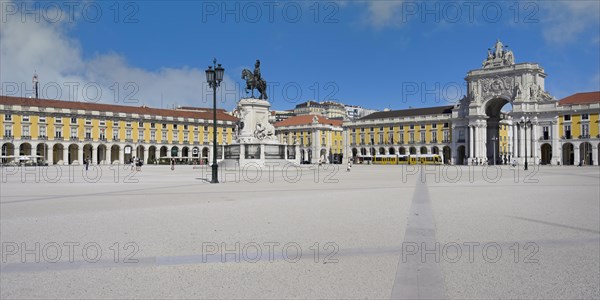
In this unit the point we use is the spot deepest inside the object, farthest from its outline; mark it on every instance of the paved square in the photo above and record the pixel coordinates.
(375, 232)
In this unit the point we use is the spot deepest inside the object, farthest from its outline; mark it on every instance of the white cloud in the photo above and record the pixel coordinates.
(57, 57)
(383, 13)
(564, 21)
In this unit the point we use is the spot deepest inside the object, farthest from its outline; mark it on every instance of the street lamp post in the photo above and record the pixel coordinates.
(214, 76)
(494, 139)
(524, 124)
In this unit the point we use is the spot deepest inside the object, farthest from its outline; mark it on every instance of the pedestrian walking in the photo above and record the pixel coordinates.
(172, 164)
(349, 166)
(86, 161)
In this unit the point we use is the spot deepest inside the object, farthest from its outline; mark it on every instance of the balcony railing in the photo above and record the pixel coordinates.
(586, 136)
(74, 139)
(461, 140)
(88, 139)
(42, 137)
(447, 141)
(152, 141)
(128, 140)
(25, 137)
(8, 137)
(60, 138)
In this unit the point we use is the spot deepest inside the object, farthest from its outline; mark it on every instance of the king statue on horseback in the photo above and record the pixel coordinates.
(254, 81)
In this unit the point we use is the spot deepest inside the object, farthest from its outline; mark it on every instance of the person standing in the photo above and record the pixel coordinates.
(172, 164)
(87, 163)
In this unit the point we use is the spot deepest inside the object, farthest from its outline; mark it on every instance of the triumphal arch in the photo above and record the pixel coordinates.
(483, 112)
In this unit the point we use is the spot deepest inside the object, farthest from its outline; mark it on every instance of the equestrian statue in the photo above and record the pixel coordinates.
(254, 81)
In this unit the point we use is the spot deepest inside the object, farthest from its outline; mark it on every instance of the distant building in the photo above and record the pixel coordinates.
(328, 109)
(355, 112)
(319, 138)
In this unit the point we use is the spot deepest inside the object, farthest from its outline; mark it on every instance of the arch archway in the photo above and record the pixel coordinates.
(435, 150)
(354, 152)
(585, 153)
(101, 154)
(363, 151)
(447, 153)
(25, 149)
(493, 111)
(568, 157)
(87, 153)
(151, 154)
(42, 151)
(73, 154)
(128, 153)
(175, 151)
(8, 152)
(423, 150)
(323, 155)
(115, 152)
(392, 151)
(546, 150)
(57, 153)
(381, 150)
(139, 152)
(461, 155)
(164, 150)
(402, 151)
(413, 150)
(185, 151)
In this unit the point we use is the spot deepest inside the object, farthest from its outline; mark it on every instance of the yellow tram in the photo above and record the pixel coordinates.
(405, 159)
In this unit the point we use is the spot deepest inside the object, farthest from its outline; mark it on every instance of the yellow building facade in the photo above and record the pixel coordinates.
(63, 132)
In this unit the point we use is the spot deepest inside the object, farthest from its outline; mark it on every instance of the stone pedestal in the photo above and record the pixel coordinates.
(255, 142)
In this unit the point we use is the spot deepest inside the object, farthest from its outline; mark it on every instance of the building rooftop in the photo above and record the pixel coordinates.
(197, 113)
(307, 120)
(409, 112)
(581, 98)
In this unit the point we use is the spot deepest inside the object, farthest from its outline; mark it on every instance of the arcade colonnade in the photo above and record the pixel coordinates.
(105, 153)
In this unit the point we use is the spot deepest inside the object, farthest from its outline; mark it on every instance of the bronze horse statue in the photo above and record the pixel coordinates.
(261, 85)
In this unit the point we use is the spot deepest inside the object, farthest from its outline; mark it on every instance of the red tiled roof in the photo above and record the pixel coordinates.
(200, 113)
(306, 120)
(581, 98)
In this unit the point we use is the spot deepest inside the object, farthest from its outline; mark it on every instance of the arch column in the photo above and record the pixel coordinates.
(521, 142)
(79, 153)
(576, 159)
(108, 154)
(121, 155)
(146, 151)
(93, 151)
(471, 142)
(50, 155)
(534, 143)
(515, 132)
(65, 158)
(595, 155)
(556, 148)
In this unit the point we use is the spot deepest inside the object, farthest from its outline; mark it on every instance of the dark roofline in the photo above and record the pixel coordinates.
(437, 110)
(140, 110)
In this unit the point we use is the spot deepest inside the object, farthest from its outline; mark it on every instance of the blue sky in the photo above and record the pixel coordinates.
(368, 53)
